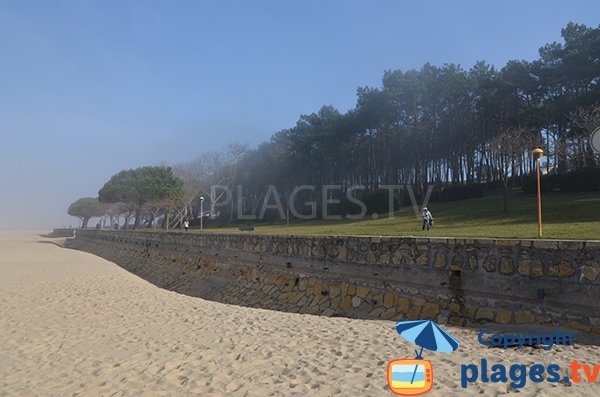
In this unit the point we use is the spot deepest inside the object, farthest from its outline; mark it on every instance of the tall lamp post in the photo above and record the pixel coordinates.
(538, 153)
(201, 213)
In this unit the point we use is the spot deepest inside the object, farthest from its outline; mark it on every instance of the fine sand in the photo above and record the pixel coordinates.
(75, 324)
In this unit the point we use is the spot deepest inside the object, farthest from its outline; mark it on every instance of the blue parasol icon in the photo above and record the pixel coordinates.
(428, 335)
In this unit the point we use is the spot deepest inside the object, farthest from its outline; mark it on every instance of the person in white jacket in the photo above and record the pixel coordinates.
(427, 219)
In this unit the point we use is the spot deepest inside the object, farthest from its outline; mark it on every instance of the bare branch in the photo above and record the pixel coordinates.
(586, 118)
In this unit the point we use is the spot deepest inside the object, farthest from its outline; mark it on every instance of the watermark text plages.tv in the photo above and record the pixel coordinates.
(327, 196)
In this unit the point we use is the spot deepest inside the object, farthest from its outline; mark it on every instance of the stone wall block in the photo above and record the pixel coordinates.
(440, 260)
(490, 264)
(590, 271)
(562, 269)
(506, 265)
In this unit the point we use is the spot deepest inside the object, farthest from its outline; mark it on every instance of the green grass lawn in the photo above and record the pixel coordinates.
(565, 216)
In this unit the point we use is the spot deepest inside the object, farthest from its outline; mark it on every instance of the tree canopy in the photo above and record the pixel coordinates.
(140, 186)
(86, 208)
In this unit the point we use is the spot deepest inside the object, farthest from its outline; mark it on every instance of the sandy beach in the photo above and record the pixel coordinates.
(73, 324)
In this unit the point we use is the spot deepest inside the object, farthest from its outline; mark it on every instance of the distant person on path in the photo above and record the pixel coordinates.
(427, 219)
(186, 225)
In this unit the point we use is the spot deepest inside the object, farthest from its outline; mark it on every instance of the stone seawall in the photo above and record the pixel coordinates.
(454, 281)
(62, 232)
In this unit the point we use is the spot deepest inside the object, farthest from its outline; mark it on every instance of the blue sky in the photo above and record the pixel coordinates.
(88, 88)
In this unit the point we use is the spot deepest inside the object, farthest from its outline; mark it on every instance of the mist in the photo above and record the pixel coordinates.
(89, 89)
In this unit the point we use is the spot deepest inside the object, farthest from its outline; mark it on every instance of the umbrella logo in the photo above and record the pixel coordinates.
(411, 377)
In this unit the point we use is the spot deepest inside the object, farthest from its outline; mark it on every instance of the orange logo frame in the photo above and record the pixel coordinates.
(411, 391)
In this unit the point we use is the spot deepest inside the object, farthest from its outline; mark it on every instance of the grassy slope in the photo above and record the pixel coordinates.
(565, 216)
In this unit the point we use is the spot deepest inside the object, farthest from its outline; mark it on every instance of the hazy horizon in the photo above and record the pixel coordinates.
(92, 88)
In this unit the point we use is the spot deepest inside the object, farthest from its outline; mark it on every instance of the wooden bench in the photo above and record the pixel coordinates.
(247, 228)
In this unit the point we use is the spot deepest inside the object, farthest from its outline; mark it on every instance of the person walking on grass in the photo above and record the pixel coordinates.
(186, 225)
(427, 219)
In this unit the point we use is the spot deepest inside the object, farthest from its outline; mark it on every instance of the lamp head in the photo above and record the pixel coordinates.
(538, 153)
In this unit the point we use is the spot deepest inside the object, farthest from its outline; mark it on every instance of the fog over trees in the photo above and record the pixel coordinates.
(460, 130)
(144, 186)
(86, 208)
(443, 126)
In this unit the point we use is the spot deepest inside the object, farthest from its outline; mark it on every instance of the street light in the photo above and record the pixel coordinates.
(201, 212)
(538, 153)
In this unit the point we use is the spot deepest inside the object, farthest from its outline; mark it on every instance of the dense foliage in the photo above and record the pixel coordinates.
(140, 186)
(86, 208)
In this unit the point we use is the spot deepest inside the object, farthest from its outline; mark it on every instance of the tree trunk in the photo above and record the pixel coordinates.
(84, 222)
(138, 216)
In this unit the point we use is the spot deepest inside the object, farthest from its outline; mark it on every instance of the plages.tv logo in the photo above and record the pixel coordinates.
(411, 377)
